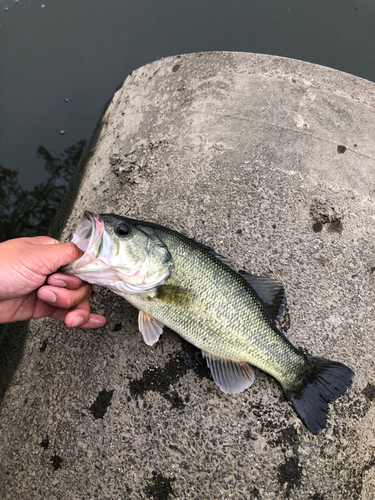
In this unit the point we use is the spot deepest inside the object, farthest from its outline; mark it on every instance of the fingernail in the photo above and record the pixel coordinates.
(47, 296)
(96, 320)
(61, 283)
(77, 321)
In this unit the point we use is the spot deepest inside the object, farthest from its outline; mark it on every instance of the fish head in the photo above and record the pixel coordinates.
(119, 253)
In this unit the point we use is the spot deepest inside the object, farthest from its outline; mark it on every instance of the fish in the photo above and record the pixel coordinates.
(230, 316)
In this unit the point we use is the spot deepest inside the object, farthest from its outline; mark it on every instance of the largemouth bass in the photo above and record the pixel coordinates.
(177, 282)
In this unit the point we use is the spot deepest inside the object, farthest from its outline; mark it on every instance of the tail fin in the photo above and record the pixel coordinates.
(324, 381)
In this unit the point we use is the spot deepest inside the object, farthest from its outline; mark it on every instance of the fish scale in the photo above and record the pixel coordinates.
(177, 282)
(225, 318)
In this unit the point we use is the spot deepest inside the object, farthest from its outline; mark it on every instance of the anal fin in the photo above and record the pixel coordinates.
(150, 328)
(230, 376)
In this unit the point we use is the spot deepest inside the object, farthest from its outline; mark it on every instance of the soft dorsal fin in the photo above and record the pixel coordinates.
(150, 328)
(230, 376)
(270, 291)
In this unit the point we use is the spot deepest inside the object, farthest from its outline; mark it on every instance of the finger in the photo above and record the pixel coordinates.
(79, 316)
(64, 298)
(74, 320)
(95, 321)
(55, 256)
(64, 281)
(42, 240)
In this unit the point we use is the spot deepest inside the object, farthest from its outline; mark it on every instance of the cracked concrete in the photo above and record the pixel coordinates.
(271, 162)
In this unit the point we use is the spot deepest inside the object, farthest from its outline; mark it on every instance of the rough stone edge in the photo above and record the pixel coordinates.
(328, 80)
(319, 77)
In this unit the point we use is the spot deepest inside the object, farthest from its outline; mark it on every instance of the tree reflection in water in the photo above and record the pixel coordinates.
(29, 213)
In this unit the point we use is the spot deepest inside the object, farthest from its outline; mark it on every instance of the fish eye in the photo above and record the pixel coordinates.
(122, 230)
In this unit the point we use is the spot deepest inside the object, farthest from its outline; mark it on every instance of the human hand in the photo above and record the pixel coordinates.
(25, 265)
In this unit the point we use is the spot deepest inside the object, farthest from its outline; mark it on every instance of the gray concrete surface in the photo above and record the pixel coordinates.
(271, 162)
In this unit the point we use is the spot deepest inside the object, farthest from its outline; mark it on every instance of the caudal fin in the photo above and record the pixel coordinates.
(323, 382)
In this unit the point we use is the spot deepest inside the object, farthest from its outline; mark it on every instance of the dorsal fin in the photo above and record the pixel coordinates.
(222, 259)
(270, 291)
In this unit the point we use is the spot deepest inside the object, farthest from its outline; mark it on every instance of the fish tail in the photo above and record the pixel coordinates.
(323, 381)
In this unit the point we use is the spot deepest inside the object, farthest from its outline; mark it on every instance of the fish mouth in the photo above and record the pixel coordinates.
(92, 238)
(99, 264)
(88, 235)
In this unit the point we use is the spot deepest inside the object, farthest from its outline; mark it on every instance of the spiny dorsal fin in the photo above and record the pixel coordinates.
(222, 259)
(230, 376)
(270, 291)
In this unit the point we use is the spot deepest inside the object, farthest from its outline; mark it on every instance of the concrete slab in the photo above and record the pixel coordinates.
(271, 162)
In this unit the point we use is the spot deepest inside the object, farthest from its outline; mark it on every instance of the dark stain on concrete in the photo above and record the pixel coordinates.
(176, 67)
(160, 379)
(44, 345)
(323, 212)
(12, 340)
(341, 149)
(117, 327)
(56, 461)
(317, 227)
(192, 358)
(290, 472)
(254, 493)
(159, 487)
(44, 443)
(335, 226)
(283, 323)
(369, 391)
(353, 487)
(287, 438)
(102, 402)
(353, 404)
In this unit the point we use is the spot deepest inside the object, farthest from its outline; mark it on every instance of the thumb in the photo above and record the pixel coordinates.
(62, 254)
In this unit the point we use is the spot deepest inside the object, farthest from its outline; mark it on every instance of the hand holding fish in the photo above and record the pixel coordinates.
(31, 288)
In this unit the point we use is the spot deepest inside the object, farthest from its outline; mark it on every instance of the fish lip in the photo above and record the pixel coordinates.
(91, 217)
(97, 232)
(92, 245)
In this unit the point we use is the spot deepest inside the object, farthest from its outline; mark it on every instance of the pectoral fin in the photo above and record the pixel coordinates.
(150, 328)
(230, 376)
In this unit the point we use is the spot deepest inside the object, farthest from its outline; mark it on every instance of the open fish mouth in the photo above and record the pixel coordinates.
(92, 238)
(88, 231)
(100, 263)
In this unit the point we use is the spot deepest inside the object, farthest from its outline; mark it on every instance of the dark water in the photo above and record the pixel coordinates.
(61, 60)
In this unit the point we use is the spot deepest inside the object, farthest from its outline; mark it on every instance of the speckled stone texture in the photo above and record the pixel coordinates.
(271, 162)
